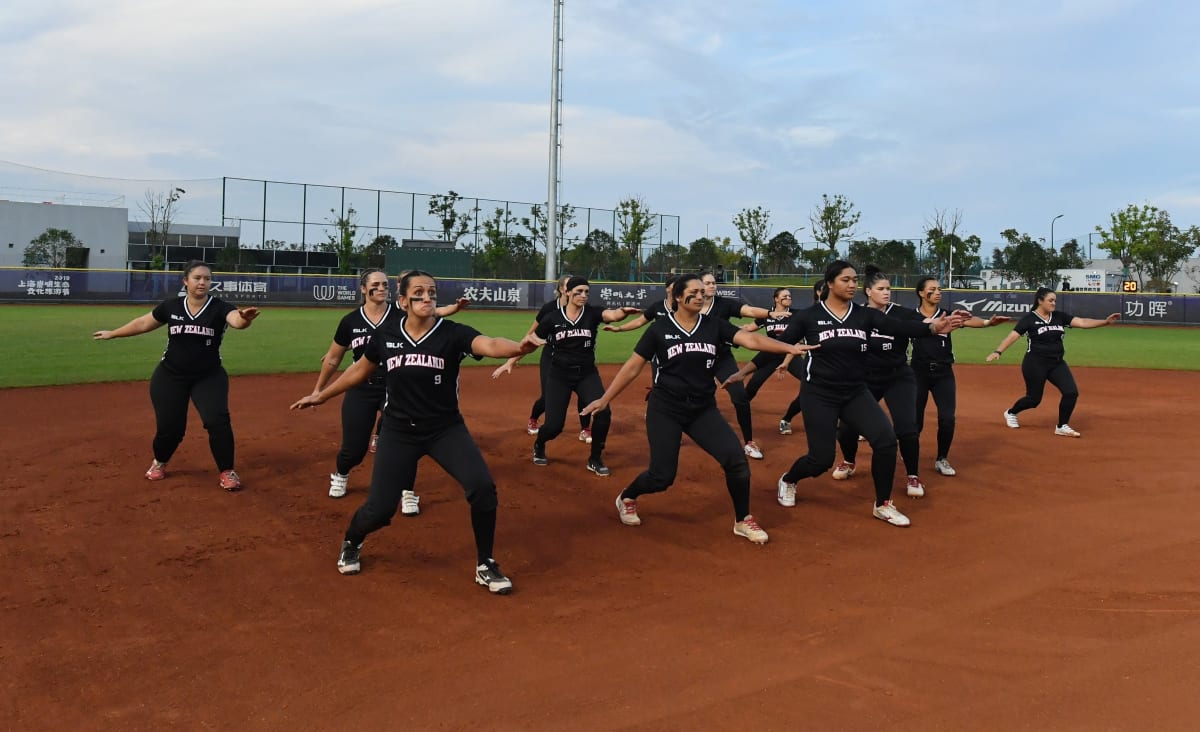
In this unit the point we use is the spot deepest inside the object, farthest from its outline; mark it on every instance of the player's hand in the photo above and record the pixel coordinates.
(311, 400)
(799, 349)
(596, 406)
(780, 371)
(530, 343)
(993, 356)
(1112, 318)
(611, 328)
(997, 320)
(630, 311)
(738, 377)
(102, 335)
(249, 314)
(504, 368)
(462, 303)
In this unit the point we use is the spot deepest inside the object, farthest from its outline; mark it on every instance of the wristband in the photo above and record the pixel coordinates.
(998, 353)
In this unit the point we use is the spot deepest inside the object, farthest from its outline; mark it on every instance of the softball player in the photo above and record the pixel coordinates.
(835, 385)
(1045, 327)
(571, 332)
(364, 403)
(421, 353)
(785, 423)
(539, 405)
(774, 325)
(722, 308)
(889, 378)
(686, 345)
(191, 369)
(933, 366)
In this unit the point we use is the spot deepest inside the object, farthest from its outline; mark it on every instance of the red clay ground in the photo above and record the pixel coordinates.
(1054, 584)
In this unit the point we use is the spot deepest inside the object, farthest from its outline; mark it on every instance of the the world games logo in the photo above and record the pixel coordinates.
(329, 293)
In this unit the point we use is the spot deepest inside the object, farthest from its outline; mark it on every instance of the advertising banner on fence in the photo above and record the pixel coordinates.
(19, 285)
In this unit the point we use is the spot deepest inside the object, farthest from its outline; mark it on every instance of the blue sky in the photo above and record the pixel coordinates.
(1009, 112)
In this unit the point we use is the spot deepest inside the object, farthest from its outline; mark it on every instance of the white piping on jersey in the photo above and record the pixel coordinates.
(563, 309)
(408, 338)
(849, 310)
(692, 332)
(362, 311)
(200, 312)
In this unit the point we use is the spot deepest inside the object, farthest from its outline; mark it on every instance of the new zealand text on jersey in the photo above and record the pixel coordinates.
(1050, 329)
(192, 330)
(690, 347)
(572, 333)
(843, 333)
(416, 359)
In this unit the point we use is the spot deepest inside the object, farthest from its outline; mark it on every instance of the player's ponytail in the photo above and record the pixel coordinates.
(872, 275)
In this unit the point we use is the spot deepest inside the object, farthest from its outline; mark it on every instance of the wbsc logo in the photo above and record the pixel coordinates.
(324, 293)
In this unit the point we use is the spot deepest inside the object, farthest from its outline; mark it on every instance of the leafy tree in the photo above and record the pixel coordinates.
(1148, 244)
(945, 248)
(49, 249)
(703, 254)
(753, 225)
(668, 257)
(454, 224)
(635, 223)
(342, 240)
(1070, 256)
(380, 245)
(537, 225)
(781, 253)
(160, 208)
(1026, 261)
(274, 244)
(833, 220)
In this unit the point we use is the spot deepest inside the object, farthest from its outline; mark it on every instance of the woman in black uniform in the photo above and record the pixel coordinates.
(1045, 327)
(683, 400)
(421, 354)
(888, 378)
(191, 369)
(785, 423)
(774, 325)
(933, 365)
(835, 385)
(539, 405)
(724, 308)
(571, 332)
(364, 402)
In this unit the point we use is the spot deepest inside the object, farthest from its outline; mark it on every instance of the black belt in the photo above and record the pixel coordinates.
(934, 366)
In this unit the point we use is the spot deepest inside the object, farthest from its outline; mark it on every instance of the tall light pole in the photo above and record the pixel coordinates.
(555, 131)
(1056, 218)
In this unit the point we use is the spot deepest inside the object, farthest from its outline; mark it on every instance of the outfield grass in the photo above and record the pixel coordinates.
(52, 344)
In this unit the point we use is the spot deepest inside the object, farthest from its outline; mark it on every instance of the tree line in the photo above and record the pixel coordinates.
(504, 244)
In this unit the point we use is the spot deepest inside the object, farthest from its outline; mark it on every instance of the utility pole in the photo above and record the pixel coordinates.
(555, 132)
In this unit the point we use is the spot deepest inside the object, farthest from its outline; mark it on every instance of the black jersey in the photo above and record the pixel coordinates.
(844, 342)
(687, 360)
(723, 308)
(193, 339)
(886, 352)
(774, 326)
(939, 350)
(656, 309)
(1045, 337)
(422, 375)
(355, 330)
(574, 341)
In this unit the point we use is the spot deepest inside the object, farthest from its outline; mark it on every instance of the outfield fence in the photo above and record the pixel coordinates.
(43, 286)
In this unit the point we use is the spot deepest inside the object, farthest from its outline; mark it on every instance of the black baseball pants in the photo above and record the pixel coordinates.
(899, 393)
(1037, 371)
(586, 384)
(937, 379)
(360, 408)
(170, 393)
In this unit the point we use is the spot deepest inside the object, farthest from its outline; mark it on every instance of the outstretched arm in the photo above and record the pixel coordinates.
(629, 371)
(1004, 344)
(977, 322)
(634, 324)
(448, 310)
(358, 372)
(330, 363)
(749, 311)
(1093, 322)
(759, 342)
(614, 315)
(137, 326)
(503, 347)
(241, 318)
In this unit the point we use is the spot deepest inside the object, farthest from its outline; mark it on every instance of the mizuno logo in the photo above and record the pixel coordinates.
(970, 305)
(994, 306)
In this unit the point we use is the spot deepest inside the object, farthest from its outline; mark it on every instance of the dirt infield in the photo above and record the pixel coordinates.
(1054, 584)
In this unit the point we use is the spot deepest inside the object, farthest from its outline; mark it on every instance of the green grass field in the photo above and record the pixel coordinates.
(52, 344)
